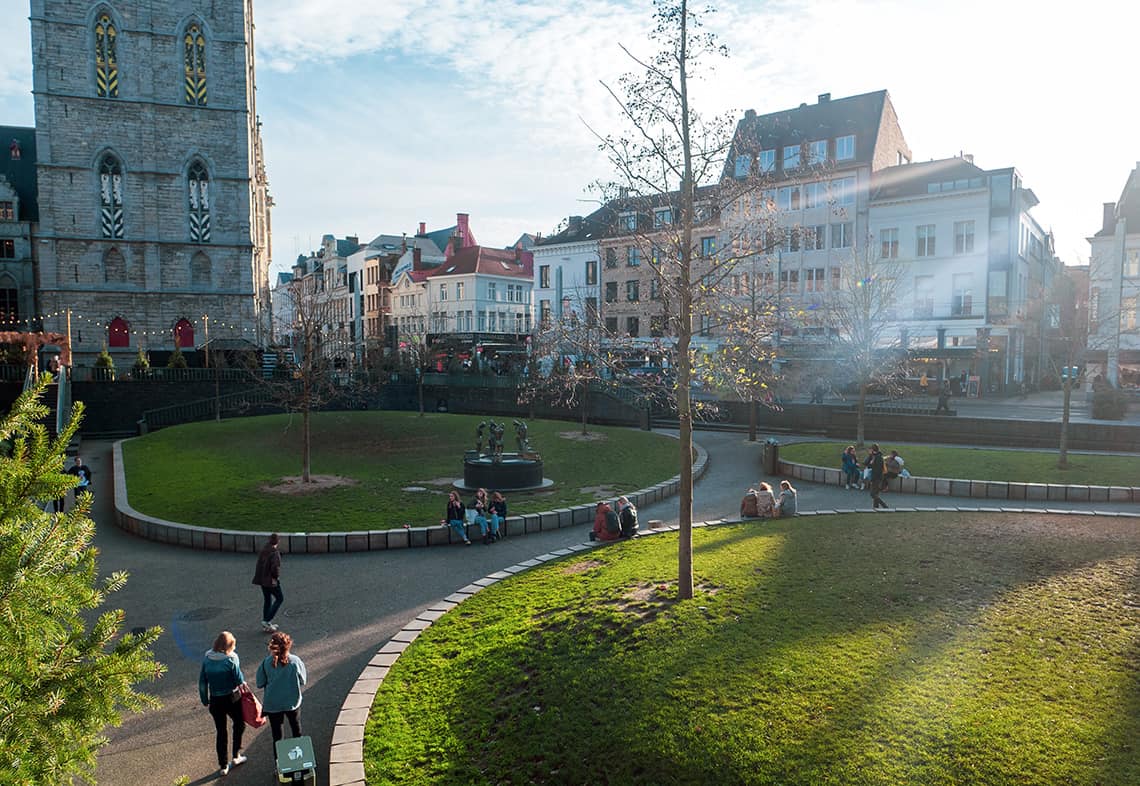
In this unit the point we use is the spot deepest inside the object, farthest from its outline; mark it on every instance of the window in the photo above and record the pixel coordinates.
(845, 147)
(767, 160)
(705, 325)
(791, 157)
(442, 292)
(7, 248)
(889, 242)
(198, 187)
(790, 281)
(708, 246)
(9, 306)
(543, 312)
(200, 271)
(815, 237)
(632, 256)
(106, 58)
(114, 267)
(662, 217)
(842, 235)
(7, 211)
(459, 291)
(654, 289)
(923, 297)
(633, 326)
(492, 317)
(924, 240)
(743, 164)
(963, 303)
(843, 191)
(544, 276)
(611, 257)
(1132, 263)
(792, 239)
(998, 297)
(963, 237)
(788, 198)
(656, 255)
(815, 194)
(815, 279)
(118, 333)
(492, 292)
(1128, 313)
(836, 278)
(195, 65)
(111, 197)
(184, 334)
(818, 152)
(482, 318)
(592, 272)
(611, 291)
(628, 221)
(632, 291)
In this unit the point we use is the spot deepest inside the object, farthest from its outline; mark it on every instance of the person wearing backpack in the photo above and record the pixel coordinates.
(627, 515)
(607, 525)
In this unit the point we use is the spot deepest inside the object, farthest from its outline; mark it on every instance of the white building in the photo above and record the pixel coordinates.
(1114, 291)
(566, 265)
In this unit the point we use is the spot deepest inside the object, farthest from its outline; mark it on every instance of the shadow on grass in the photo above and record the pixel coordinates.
(834, 655)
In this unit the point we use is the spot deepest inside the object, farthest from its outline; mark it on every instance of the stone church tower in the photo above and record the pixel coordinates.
(154, 206)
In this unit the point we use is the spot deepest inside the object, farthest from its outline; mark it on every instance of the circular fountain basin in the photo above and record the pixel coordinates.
(511, 473)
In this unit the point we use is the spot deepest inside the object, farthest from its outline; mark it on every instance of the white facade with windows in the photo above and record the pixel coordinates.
(567, 272)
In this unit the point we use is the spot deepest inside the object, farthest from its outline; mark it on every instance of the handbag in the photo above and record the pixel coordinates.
(251, 708)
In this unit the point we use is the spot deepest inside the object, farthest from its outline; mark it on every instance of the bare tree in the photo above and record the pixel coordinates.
(862, 315)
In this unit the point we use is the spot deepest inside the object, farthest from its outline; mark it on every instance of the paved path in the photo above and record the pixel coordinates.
(338, 607)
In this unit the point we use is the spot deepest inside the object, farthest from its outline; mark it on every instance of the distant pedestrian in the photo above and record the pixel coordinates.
(786, 504)
(267, 575)
(850, 467)
(924, 383)
(218, 681)
(874, 476)
(456, 517)
(943, 398)
(283, 675)
(83, 473)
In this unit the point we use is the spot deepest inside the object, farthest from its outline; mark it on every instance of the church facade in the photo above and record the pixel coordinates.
(152, 191)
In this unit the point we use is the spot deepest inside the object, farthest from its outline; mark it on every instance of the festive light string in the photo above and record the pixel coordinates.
(102, 324)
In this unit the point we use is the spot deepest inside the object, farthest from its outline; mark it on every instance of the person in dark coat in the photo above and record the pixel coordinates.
(267, 575)
(874, 463)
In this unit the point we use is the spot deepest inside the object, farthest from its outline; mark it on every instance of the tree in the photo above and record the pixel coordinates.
(63, 676)
(861, 314)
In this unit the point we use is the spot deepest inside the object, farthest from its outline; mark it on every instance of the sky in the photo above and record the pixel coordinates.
(379, 115)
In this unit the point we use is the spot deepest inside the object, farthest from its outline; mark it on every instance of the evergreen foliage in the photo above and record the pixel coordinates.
(177, 359)
(104, 359)
(66, 673)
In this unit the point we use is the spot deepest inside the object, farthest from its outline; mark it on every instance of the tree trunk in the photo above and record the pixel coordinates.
(1063, 454)
(685, 327)
(306, 444)
(860, 414)
(585, 406)
(420, 389)
(752, 420)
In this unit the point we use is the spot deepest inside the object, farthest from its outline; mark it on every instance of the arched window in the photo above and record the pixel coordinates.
(119, 333)
(111, 196)
(114, 267)
(184, 334)
(106, 57)
(198, 188)
(200, 270)
(195, 63)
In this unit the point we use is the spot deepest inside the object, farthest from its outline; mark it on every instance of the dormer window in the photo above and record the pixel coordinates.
(767, 160)
(818, 152)
(791, 157)
(662, 217)
(743, 164)
(628, 221)
(845, 148)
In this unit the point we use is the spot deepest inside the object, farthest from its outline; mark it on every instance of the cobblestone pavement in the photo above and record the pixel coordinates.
(338, 607)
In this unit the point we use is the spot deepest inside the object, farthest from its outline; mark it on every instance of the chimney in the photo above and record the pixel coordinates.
(456, 243)
(461, 226)
(574, 223)
(824, 98)
(750, 114)
(423, 229)
(403, 242)
(353, 239)
(417, 261)
(1109, 216)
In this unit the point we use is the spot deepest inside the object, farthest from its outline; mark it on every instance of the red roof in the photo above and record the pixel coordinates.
(487, 261)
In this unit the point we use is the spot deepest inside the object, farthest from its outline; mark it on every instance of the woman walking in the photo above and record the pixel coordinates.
(267, 575)
(283, 675)
(456, 517)
(218, 682)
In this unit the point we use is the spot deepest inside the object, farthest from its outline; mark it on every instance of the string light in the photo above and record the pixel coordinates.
(107, 324)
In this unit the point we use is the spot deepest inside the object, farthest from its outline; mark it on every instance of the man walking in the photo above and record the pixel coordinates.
(875, 482)
(83, 472)
(943, 398)
(267, 575)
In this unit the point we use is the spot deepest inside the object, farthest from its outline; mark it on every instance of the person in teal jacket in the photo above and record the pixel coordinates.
(283, 675)
(219, 678)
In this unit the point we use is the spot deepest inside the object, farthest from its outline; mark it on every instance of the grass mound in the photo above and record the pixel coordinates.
(967, 648)
(1018, 466)
(390, 469)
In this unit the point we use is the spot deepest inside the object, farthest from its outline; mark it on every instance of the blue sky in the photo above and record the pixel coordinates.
(378, 115)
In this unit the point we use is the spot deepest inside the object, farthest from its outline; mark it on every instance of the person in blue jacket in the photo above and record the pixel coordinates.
(218, 682)
(283, 675)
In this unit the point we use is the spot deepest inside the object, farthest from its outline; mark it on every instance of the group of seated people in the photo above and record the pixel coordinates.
(763, 503)
(488, 513)
(614, 522)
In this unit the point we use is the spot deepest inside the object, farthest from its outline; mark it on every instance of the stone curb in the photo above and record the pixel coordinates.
(973, 489)
(210, 539)
(346, 755)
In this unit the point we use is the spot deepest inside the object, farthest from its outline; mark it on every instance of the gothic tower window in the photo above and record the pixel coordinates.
(119, 333)
(114, 267)
(111, 196)
(106, 57)
(194, 59)
(9, 303)
(184, 334)
(200, 271)
(198, 185)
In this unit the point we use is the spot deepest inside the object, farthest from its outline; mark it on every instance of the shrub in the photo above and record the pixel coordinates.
(104, 359)
(1109, 404)
(142, 364)
(177, 359)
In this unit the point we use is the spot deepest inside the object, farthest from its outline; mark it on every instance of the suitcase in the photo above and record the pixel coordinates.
(296, 763)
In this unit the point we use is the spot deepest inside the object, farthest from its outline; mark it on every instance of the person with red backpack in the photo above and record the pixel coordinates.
(607, 525)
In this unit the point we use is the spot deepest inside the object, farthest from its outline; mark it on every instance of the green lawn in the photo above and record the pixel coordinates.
(215, 474)
(855, 649)
(981, 464)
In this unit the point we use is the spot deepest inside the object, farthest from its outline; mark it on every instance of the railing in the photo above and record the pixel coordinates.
(161, 374)
(203, 409)
(29, 379)
(901, 405)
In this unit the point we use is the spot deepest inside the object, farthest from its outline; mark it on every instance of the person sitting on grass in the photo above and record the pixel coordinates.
(786, 504)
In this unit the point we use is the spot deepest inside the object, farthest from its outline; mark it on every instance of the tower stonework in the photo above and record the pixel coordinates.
(154, 205)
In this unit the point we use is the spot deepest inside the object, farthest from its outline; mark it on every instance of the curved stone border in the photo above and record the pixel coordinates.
(346, 754)
(210, 539)
(974, 489)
